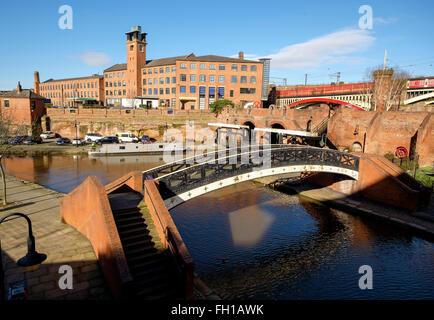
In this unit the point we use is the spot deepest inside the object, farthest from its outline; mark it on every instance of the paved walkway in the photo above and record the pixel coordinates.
(62, 244)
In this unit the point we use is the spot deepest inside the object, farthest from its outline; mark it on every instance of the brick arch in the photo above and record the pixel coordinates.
(246, 123)
(280, 123)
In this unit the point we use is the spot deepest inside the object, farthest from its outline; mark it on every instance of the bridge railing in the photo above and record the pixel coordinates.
(193, 177)
(187, 162)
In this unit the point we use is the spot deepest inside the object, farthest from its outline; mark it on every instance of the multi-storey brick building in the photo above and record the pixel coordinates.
(72, 91)
(183, 82)
(190, 82)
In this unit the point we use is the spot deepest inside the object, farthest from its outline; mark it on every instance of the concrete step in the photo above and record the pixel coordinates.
(135, 237)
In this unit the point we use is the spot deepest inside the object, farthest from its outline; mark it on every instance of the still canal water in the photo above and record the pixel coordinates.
(250, 242)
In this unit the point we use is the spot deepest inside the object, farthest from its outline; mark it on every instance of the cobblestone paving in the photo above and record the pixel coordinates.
(62, 244)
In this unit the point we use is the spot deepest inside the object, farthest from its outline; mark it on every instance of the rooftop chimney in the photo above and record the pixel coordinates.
(241, 55)
(19, 87)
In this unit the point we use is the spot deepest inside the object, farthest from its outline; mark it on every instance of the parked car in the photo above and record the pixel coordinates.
(48, 135)
(109, 140)
(62, 141)
(18, 139)
(127, 137)
(145, 139)
(78, 141)
(92, 137)
(32, 140)
(5, 140)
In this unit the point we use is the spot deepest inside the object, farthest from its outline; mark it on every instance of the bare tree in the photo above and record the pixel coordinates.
(8, 129)
(390, 94)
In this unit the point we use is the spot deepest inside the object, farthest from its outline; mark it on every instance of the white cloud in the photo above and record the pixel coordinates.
(93, 58)
(380, 20)
(331, 48)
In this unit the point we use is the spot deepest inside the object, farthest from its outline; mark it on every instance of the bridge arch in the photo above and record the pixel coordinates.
(334, 101)
(186, 182)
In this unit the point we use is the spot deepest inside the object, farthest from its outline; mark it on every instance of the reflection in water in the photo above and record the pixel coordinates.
(248, 226)
(294, 249)
(253, 242)
(64, 173)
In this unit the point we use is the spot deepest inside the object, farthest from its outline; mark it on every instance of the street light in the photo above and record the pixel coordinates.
(76, 133)
(32, 258)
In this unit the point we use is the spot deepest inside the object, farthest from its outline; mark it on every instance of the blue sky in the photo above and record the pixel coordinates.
(314, 37)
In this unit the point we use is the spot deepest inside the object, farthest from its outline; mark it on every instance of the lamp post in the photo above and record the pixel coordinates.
(76, 133)
(31, 259)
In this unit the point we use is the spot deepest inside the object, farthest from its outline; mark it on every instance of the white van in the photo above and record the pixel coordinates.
(127, 137)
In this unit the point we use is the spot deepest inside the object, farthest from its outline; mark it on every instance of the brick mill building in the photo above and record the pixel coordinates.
(70, 92)
(183, 82)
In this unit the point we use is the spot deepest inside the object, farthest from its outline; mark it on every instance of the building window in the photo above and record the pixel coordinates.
(155, 70)
(149, 81)
(115, 84)
(131, 47)
(183, 65)
(222, 67)
(221, 79)
(173, 90)
(202, 78)
(144, 81)
(144, 71)
(155, 91)
(150, 91)
(161, 70)
(253, 79)
(124, 83)
(247, 90)
(167, 69)
(212, 66)
(192, 78)
(106, 75)
(243, 79)
(173, 79)
(173, 103)
(123, 74)
(192, 89)
(167, 90)
(161, 80)
(167, 80)
(234, 79)
(161, 91)
(243, 67)
(6, 103)
(192, 66)
(110, 75)
(182, 89)
(253, 68)
(150, 71)
(141, 48)
(202, 66)
(183, 78)
(173, 69)
(231, 93)
(234, 67)
(155, 81)
(211, 78)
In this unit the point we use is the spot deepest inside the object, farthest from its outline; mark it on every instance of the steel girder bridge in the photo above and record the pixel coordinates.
(188, 178)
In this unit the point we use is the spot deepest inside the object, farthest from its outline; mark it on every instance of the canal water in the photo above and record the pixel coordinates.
(251, 242)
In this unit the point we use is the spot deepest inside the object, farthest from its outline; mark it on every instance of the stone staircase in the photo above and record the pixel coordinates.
(153, 269)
